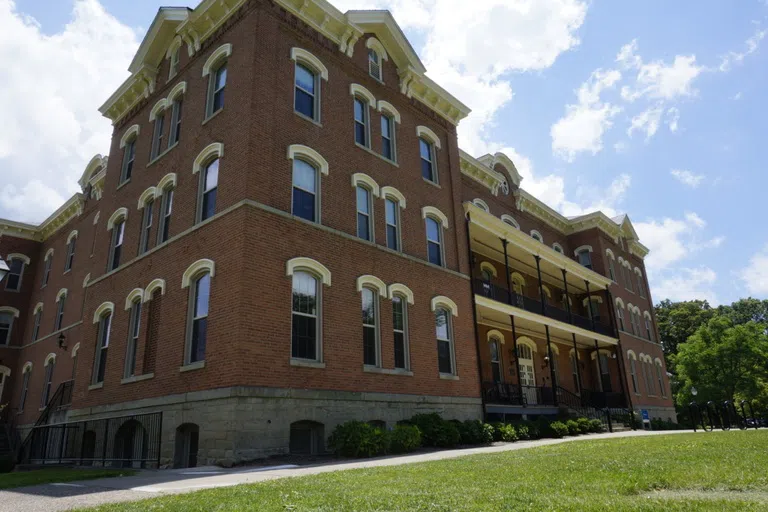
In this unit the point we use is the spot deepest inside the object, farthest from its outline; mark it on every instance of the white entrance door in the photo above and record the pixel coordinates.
(527, 374)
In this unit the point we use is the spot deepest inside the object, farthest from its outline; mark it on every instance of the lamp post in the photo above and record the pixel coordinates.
(3, 269)
(63, 342)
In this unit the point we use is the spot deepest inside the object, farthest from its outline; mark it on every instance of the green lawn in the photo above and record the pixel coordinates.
(712, 471)
(46, 476)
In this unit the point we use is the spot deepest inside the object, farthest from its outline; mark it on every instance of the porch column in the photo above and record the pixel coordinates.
(578, 369)
(620, 350)
(506, 267)
(567, 301)
(589, 302)
(541, 286)
(621, 374)
(517, 360)
(551, 366)
(471, 260)
(597, 362)
(612, 312)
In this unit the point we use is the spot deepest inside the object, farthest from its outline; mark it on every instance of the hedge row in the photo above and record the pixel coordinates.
(358, 439)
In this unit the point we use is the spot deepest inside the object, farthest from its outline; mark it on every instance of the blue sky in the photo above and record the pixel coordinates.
(557, 84)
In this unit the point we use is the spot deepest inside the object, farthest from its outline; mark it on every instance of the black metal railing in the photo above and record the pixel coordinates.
(501, 294)
(603, 399)
(60, 400)
(512, 394)
(126, 441)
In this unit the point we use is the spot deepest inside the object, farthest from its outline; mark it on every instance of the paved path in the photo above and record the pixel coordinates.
(147, 484)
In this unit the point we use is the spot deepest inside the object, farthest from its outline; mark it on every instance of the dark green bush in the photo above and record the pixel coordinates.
(404, 439)
(475, 432)
(497, 426)
(558, 429)
(573, 427)
(435, 431)
(358, 439)
(595, 426)
(543, 427)
(583, 424)
(660, 424)
(522, 431)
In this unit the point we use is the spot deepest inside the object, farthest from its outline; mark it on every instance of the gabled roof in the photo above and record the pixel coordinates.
(389, 33)
(501, 159)
(159, 36)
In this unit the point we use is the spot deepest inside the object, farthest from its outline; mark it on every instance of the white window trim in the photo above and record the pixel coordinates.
(121, 214)
(159, 107)
(136, 293)
(178, 90)
(302, 56)
(130, 134)
(318, 268)
(490, 268)
(150, 193)
(15, 312)
(481, 204)
(155, 284)
(389, 192)
(535, 233)
(222, 52)
(431, 211)
(358, 90)
(445, 302)
(386, 107)
(372, 282)
(309, 154)
(72, 234)
(429, 135)
(211, 152)
(374, 44)
(103, 309)
(401, 289)
(168, 179)
(62, 294)
(582, 248)
(196, 268)
(361, 179)
(510, 221)
(19, 256)
(495, 333)
(556, 246)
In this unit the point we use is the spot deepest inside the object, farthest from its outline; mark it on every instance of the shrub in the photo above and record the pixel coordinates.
(660, 424)
(497, 426)
(543, 427)
(595, 426)
(558, 429)
(506, 433)
(436, 431)
(583, 424)
(358, 439)
(573, 427)
(522, 431)
(475, 432)
(404, 439)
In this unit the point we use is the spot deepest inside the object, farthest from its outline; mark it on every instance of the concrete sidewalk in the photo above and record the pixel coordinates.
(147, 484)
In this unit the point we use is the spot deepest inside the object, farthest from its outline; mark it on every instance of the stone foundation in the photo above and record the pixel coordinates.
(240, 424)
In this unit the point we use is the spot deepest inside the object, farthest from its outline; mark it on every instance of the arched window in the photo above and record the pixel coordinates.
(102, 345)
(434, 241)
(648, 326)
(38, 312)
(537, 236)
(640, 284)
(444, 334)
(209, 184)
(216, 69)
(197, 321)
(308, 166)
(25, 376)
(116, 224)
(633, 371)
(370, 309)
(174, 59)
(518, 283)
(481, 204)
(508, 219)
(374, 64)
(611, 264)
(659, 377)
(48, 262)
(147, 204)
(133, 304)
(592, 305)
(61, 299)
(364, 213)
(128, 145)
(400, 327)
(620, 314)
(584, 256)
(309, 70)
(16, 265)
(157, 115)
(165, 188)
(70, 258)
(305, 340)
(557, 248)
(175, 103)
(6, 325)
(362, 101)
(574, 362)
(494, 346)
(50, 363)
(392, 212)
(428, 142)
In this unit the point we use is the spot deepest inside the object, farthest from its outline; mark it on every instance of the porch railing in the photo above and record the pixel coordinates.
(512, 394)
(501, 294)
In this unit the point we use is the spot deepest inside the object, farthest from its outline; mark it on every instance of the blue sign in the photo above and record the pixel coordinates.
(646, 416)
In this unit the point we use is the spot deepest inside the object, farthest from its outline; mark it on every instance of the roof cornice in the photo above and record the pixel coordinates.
(65, 213)
(480, 172)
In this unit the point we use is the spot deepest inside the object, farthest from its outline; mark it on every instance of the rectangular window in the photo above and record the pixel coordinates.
(70, 259)
(134, 328)
(118, 230)
(105, 326)
(24, 389)
(216, 89)
(209, 186)
(175, 122)
(575, 372)
(36, 326)
(199, 329)
(605, 376)
(628, 279)
(304, 190)
(165, 220)
(13, 278)
(434, 242)
(443, 332)
(305, 101)
(648, 329)
(361, 122)
(174, 65)
(370, 328)
(612, 270)
(146, 226)
(374, 64)
(633, 372)
(6, 324)
(364, 228)
(620, 317)
(59, 321)
(157, 136)
(493, 346)
(47, 270)
(400, 327)
(129, 155)
(305, 317)
(387, 137)
(427, 161)
(393, 224)
(640, 287)
(585, 259)
(47, 384)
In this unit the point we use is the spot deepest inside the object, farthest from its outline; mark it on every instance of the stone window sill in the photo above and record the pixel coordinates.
(431, 183)
(137, 378)
(306, 363)
(307, 118)
(192, 366)
(387, 371)
(448, 376)
(207, 119)
(123, 184)
(382, 157)
(161, 155)
(95, 386)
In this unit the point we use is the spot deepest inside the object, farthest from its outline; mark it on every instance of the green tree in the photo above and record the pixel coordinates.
(746, 310)
(723, 361)
(677, 321)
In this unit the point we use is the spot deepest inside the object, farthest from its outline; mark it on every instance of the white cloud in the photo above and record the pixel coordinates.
(647, 121)
(471, 48)
(657, 79)
(584, 124)
(591, 198)
(752, 44)
(737, 96)
(49, 103)
(755, 274)
(687, 177)
(688, 284)
(673, 117)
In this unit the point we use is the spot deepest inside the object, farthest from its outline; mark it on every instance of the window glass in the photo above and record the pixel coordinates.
(210, 187)
(361, 122)
(13, 278)
(6, 323)
(200, 318)
(445, 364)
(363, 213)
(369, 327)
(219, 82)
(393, 237)
(425, 150)
(434, 241)
(305, 316)
(585, 259)
(398, 324)
(387, 145)
(304, 186)
(305, 91)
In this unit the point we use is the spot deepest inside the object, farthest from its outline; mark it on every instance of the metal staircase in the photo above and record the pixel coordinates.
(614, 419)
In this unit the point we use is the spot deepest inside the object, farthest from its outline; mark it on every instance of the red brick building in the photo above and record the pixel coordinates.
(287, 236)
